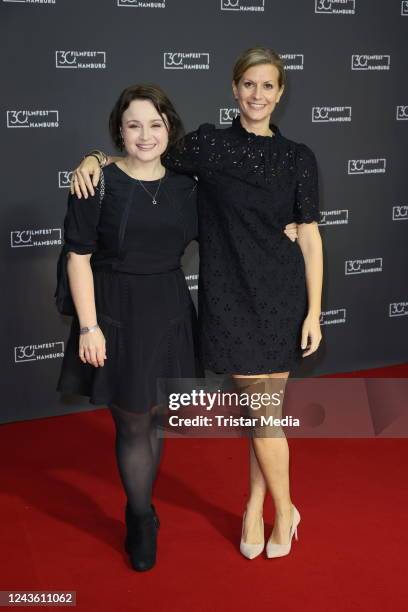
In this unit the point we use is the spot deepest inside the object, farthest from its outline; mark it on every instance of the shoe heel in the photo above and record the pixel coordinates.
(279, 550)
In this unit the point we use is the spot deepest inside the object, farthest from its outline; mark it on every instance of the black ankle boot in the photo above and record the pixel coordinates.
(141, 538)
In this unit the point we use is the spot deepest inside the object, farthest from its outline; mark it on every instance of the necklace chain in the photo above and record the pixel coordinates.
(154, 201)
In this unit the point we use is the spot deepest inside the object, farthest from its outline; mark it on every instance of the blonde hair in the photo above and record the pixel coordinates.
(256, 56)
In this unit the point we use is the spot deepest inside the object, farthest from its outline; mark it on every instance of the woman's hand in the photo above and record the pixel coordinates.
(92, 348)
(291, 231)
(311, 334)
(81, 182)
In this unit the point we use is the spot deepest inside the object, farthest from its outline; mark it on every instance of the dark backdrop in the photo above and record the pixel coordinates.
(64, 62)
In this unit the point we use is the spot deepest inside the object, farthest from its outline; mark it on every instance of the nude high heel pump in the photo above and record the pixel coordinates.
(280, 550)
(250, 551)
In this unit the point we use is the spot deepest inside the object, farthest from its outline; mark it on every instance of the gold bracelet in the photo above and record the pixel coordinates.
(99, 155)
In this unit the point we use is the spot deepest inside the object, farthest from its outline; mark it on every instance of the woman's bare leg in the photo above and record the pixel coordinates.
(254, 509)
(271, 468)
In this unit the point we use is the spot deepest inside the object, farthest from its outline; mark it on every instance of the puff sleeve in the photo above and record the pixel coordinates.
(80, 236)
(306, 207)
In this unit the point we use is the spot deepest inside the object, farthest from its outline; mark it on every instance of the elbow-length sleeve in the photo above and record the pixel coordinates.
(186, 155)
(306, 207)
(80, 236)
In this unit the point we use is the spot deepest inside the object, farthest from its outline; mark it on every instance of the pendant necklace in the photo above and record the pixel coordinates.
(154, 201)
(154, 197)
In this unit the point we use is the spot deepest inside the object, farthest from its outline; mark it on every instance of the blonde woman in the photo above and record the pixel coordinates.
(259, 292)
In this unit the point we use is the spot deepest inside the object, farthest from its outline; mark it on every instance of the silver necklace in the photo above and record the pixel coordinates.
(154, 201)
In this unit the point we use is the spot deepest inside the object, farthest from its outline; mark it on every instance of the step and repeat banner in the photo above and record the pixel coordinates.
(64, 63)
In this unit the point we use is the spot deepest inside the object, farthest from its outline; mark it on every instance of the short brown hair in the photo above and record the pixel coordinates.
(161, 103)
(256, 56)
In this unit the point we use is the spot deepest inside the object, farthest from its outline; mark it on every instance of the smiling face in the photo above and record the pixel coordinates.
(258, 92)
(144, 132)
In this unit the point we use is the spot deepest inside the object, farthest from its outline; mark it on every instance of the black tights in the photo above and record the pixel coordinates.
(138, 451)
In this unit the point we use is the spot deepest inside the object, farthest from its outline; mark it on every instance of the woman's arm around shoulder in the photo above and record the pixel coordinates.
(187, 154)
(86, 176)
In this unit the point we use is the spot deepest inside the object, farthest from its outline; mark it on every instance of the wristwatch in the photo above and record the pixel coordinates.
(85, 330)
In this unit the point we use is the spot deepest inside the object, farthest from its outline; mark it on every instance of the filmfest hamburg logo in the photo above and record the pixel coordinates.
(402, 112)
(293, 61)
(370, 62)
(38, 352)
(243, 5)
(398, 309)
(334, 217)
(141, 4)
(192, 281)
(366, 166)
(335, 7)
(31, 1)
(64, 178)
(35, 238)
(400, 213)
(331, 113)
(332, 317)
(227, 115)
(32, 119)
(80, 59)
(362, 266)
(186, 61)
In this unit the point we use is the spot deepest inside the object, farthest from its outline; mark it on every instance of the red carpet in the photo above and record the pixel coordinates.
(62, 522)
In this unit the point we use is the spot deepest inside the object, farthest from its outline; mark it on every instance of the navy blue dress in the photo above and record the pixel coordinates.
(252, 297)
(143, 303)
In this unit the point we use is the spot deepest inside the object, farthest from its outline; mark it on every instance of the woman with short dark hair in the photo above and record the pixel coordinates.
(119, 274)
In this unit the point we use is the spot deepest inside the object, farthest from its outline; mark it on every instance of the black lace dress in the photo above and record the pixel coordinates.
(252, 296)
